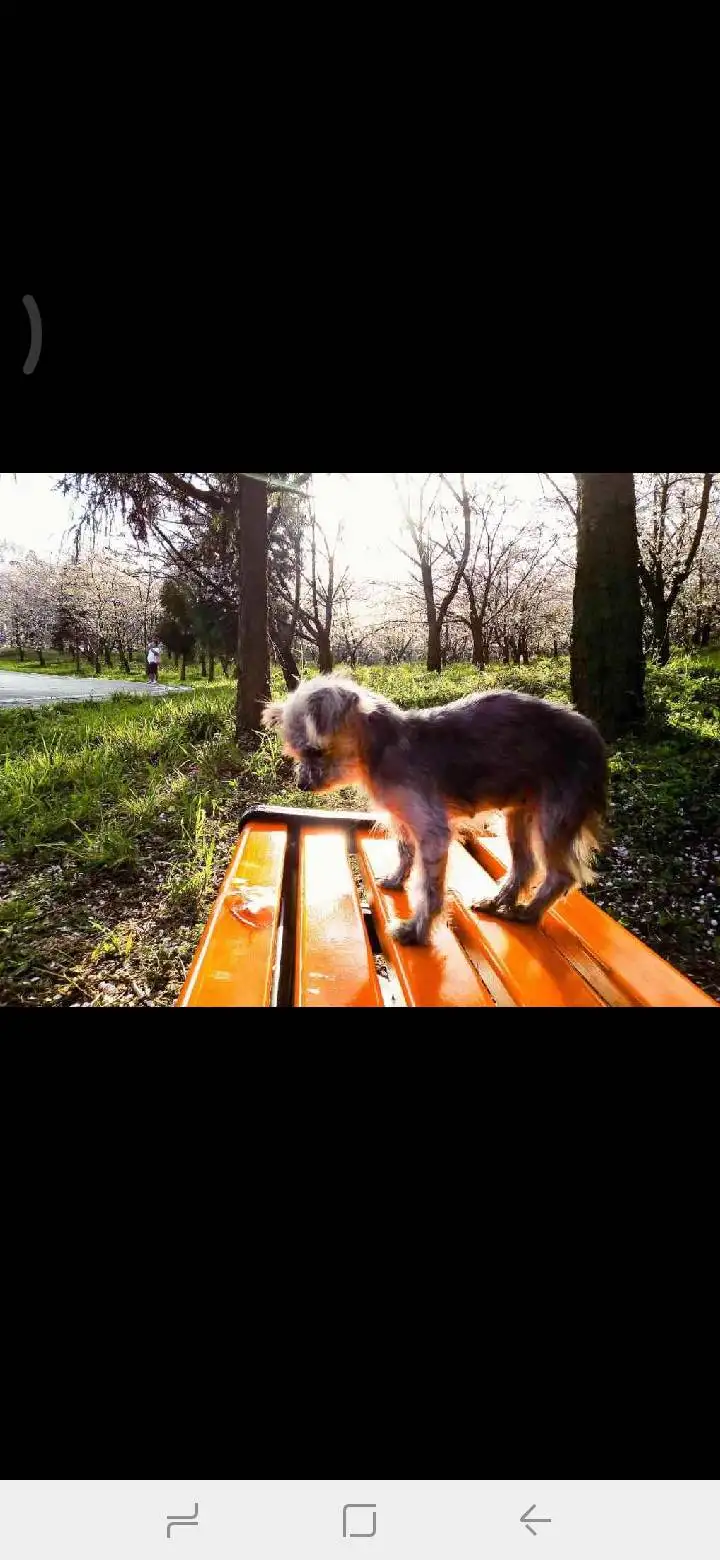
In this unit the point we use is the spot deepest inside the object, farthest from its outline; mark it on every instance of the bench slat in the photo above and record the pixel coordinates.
(440, 975)
(335, 965)
(531, 969)
(233, 964)
(579, 957)
(641, 975)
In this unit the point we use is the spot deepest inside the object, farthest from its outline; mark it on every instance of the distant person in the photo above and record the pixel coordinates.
(153, 661)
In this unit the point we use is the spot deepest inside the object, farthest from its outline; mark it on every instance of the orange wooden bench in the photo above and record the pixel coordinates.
(290, 928)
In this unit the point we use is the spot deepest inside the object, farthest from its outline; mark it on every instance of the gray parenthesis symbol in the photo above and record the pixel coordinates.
(360, 1506)
(31, 361)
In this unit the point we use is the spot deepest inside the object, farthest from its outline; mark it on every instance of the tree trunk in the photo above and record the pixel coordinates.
(41, 656)
(21, 653)
(176, 659)
(556, 648)
(77, 658)
(660, 647)
(211, 668)
(183, 669)
(96, 663)
(203, 668)
(288, 665)
(433, 650)
(478, 643)
(325, 656)
(108, 656)
(224, 662)
(607, 670)
(253, 689)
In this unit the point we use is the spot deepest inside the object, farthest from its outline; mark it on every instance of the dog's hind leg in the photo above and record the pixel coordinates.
(559, 823)
(518, 823)
(399, 877)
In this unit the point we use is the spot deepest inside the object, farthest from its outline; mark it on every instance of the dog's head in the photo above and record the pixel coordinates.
(320, 727)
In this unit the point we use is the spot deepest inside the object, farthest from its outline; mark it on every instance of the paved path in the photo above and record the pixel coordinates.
(35, 688)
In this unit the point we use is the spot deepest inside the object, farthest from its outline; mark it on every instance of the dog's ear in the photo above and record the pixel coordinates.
(273, 714)
(330, 705)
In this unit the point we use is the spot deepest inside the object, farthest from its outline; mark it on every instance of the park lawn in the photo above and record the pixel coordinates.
(117, 821)
(60, 664)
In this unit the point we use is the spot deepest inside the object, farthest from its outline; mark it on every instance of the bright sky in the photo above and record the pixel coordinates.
(31, 513)
(34, 515)
(369, 504)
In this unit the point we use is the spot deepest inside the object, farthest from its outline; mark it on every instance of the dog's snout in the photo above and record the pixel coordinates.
(308, 777)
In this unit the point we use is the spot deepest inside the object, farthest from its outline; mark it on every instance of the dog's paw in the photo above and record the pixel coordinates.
(392, 881)
(488, 906)
(524, 914)
(409, 932)
(505, 912)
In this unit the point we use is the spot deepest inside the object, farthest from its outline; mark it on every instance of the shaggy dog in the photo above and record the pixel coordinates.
(542, 764)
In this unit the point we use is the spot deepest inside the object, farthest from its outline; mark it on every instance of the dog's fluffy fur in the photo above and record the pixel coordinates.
(542, 764)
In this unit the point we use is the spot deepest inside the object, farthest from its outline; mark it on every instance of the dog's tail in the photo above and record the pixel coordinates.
(587, 843)
(385, 826)
(569, 829)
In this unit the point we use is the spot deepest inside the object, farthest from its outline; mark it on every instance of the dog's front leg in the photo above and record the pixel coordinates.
(399, 877)
(433, 839)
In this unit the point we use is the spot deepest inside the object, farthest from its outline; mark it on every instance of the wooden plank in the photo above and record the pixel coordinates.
(233, 963)
(530, 968)
(584, 931)
(334, 965)
(440, 975)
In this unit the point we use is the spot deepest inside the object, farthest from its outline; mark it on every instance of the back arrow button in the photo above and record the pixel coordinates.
(527, 1524)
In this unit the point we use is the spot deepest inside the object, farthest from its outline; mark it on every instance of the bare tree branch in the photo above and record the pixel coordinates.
(683, 573)
(563, 496)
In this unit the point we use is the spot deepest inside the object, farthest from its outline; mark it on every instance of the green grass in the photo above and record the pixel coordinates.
(95, 783)
(60, 664)
(117, 820)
